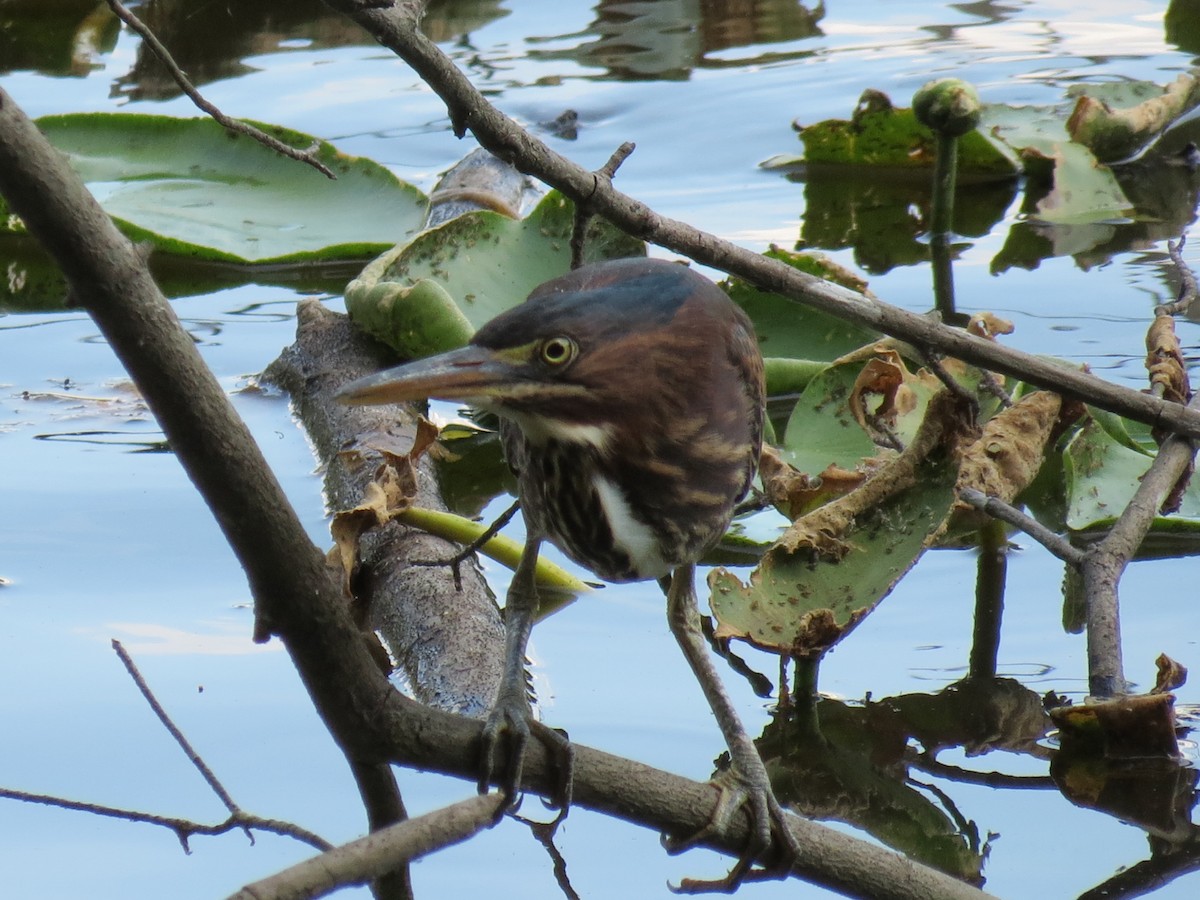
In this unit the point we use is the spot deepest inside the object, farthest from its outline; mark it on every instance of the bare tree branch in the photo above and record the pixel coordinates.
(183, 828)
(173, 730)
(378, 853)
(1006, 512)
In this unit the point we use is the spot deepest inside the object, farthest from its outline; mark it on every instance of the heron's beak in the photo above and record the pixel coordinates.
(468, 374)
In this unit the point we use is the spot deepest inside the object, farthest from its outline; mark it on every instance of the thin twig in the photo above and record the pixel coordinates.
(309, 156)
(544, 833)
(183, 828)
(1187, 281)
(1006, 512)
(455, 562)
(991, 383)
(192, 755)
(583, 211)
(934, 364)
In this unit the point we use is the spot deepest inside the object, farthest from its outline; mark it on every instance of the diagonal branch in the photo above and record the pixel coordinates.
(173, 730)
(378, 853)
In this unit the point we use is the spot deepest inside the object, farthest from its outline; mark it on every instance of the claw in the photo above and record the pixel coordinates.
(768, 825)
(511, 722)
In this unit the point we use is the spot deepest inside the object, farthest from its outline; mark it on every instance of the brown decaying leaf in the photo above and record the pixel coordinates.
(794, 493)
(1112, 134)
(823, 529)
(988, 325)
(884, 375)
(1168, 380)
(1164, 361)
(1009, 452)
(385, 497)
(1171, 675)
(1137, 726)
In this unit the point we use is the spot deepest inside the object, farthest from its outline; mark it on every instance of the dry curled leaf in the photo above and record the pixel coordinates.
(884, 376)
(1164, 361)
(385, 497)
(1009, 452)
(1171, 675)
(795, 493)
(988, 325)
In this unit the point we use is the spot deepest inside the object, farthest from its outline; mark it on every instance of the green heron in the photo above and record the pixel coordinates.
(630, 397)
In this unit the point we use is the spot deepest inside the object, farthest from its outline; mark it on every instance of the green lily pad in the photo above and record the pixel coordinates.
(793, 332)
(1084, 191)
(1103, 469)
(187, 186)
(801, 604)
(1081, 188)
(1102, 474)
(430, 294)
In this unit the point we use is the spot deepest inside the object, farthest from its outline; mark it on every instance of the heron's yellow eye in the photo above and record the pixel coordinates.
(558, 351)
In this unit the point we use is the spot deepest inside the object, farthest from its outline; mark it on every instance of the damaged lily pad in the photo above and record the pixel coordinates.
(830, 424)
(801, 604)
(429, 295)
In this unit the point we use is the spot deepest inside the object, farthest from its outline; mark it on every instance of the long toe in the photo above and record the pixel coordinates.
(505, 737)
(768, 827)
(505, 734)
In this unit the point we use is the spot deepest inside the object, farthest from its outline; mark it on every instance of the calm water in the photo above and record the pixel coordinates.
(104, 538)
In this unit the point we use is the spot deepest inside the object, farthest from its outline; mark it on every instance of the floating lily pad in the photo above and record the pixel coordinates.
(1081, 188)
(187, 186)
(430, 294)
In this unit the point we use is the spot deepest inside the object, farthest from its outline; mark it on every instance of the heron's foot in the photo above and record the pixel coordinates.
(771, 843)
(506, 734)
